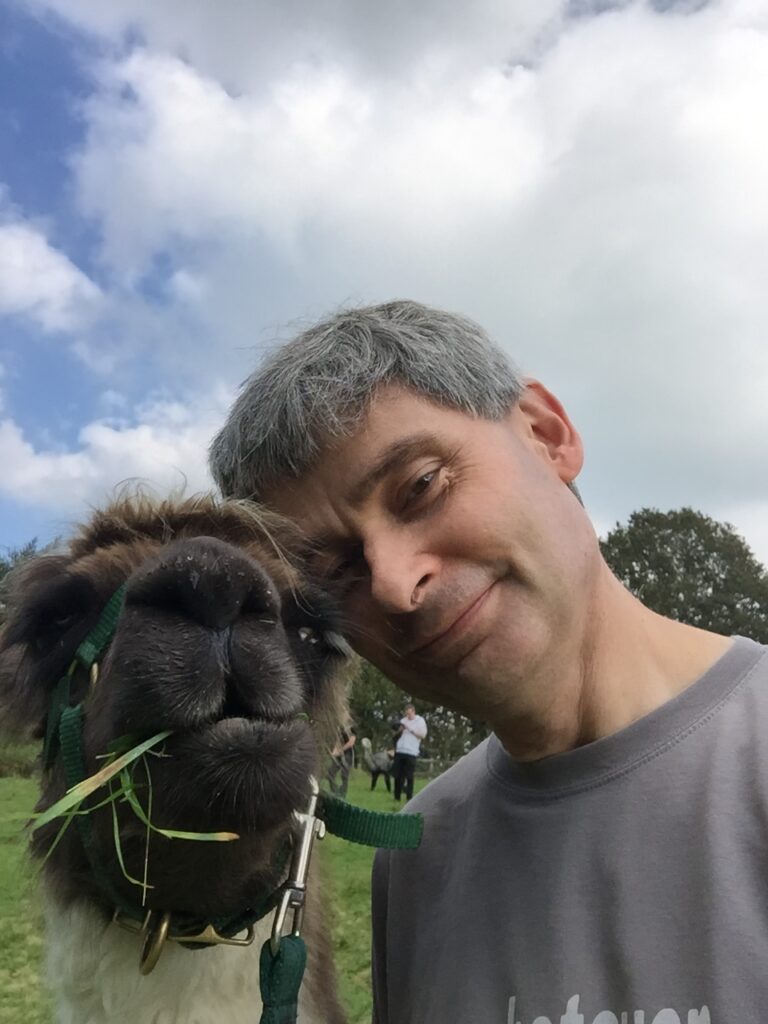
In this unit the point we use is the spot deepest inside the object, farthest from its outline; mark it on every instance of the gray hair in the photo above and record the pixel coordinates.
(318, 387)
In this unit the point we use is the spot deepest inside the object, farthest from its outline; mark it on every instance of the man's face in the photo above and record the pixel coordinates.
(459, 551)
(410, 711)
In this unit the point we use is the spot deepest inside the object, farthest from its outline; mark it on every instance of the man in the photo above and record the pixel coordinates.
(413, 729)
(603, 857)
(342, 760)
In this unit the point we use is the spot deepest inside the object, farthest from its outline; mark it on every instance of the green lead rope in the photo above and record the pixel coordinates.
(370, 828)
(281, 973)
(280, 977)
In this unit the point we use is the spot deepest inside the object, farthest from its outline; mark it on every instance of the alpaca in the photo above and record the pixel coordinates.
(220, 641)
(377, 764)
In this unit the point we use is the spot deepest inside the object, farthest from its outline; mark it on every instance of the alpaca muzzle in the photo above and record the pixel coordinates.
(283, 956)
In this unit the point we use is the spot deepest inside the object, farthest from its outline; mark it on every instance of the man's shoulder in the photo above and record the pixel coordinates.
(440, 803)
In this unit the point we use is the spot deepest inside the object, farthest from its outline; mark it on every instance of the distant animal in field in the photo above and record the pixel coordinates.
(218, 639)
(377, 764)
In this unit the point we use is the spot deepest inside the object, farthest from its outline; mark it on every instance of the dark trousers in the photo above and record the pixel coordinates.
(402, 772)
(339, 764)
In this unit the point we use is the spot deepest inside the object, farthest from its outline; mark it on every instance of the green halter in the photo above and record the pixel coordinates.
(283, 957)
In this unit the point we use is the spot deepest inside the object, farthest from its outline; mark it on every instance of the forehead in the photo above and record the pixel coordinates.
(399, 426)
(397, 420)
(394, 407)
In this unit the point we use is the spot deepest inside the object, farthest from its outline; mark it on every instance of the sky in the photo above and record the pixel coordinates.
(184, 184)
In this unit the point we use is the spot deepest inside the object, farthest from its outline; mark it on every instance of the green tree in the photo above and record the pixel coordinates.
(689, 567)
(11, 558)
(15, 555)
(375, 701)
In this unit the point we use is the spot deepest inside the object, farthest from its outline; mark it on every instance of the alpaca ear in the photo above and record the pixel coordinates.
(23, 707)
(25, 684)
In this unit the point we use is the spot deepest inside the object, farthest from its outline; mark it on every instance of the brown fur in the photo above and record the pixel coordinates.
(209, 644)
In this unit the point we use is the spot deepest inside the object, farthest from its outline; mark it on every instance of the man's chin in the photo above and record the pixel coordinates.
(469, 686)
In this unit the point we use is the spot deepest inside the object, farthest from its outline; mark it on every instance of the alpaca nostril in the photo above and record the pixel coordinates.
(216, 601)
(208, 582)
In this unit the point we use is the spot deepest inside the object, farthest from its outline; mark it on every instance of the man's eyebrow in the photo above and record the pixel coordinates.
(395, 456)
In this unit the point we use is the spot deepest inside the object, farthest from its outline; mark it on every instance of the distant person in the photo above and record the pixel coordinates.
(342, 760)
(413, 729)
(377, 764)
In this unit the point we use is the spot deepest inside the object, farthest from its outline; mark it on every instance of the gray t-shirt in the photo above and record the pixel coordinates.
(624, 882)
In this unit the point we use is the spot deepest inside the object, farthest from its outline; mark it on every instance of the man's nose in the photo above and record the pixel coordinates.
(400, 578)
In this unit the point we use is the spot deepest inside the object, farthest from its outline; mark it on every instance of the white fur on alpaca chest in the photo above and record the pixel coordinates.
(93, 972)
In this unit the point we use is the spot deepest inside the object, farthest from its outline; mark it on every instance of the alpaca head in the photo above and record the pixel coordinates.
(220, 641)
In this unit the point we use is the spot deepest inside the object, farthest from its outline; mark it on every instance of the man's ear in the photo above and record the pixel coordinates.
(548, 425)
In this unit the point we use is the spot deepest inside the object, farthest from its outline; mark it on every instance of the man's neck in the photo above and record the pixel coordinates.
(626, 662)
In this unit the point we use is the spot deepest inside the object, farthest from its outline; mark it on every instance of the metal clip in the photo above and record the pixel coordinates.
(210, 937)
(295, 888)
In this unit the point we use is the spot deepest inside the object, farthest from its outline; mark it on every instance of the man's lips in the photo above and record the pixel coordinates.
(455, 629)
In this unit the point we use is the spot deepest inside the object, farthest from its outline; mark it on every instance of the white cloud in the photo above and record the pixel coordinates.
(112, 401)
(40, 282)
(590, 189)
(255, 41)
(163, 446)
(454, 151)
(441, 154)
(602, 204)
(187, 287)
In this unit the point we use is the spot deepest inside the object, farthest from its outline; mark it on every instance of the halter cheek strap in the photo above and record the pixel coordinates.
(85, 657)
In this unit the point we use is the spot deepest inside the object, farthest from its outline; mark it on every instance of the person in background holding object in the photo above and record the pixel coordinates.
(342, 760)
(413, 729)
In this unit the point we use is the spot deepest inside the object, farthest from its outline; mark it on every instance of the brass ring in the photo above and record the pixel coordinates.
(154, 940)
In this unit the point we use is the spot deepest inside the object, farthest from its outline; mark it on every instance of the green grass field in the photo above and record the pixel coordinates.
(22, 998)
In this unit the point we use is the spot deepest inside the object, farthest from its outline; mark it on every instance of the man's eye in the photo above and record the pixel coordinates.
(349, 571)
(339, 570)
(424, 482)
(346, 568)
(422, 487)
